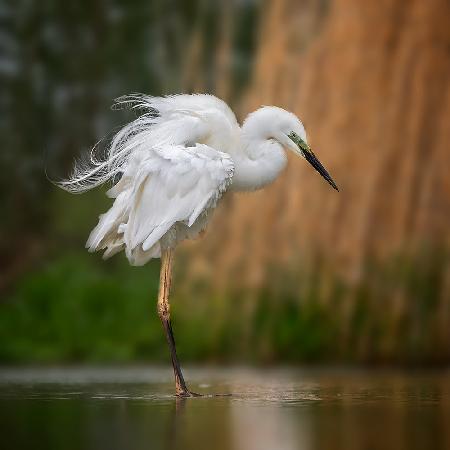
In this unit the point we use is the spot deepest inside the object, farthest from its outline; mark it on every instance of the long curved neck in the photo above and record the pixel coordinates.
(257, 163)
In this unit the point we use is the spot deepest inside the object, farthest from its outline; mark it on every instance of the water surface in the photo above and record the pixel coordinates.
(282, 409)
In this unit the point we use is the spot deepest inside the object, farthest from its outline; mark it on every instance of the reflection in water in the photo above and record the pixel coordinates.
(267, 428)
(174, 422)
(282, 410)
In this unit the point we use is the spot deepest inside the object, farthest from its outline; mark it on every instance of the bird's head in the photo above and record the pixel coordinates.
(271, 122)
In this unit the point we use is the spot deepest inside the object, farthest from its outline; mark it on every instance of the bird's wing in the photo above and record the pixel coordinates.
(173, 120)
(160, 187)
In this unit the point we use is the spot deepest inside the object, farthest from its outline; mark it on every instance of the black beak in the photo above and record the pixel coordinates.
(311, 158)
(306, 152)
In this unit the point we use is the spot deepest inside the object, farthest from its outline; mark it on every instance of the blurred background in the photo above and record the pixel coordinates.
(306, 275)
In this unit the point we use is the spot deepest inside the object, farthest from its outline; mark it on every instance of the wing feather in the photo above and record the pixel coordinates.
(161, 187)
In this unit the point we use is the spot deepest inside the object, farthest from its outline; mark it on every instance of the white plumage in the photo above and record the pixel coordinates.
(175, 161)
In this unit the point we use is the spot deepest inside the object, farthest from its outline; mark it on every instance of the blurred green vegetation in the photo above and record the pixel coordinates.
(75, 308)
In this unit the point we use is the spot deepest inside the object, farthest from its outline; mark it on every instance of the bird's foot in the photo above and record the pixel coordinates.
(187, 394)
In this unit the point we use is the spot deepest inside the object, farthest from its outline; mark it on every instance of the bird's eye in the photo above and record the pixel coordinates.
(299, 141)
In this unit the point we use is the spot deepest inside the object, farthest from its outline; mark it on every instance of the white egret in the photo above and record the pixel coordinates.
(171, 166)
